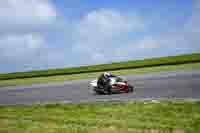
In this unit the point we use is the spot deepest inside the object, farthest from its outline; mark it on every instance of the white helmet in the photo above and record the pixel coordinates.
(106, 74)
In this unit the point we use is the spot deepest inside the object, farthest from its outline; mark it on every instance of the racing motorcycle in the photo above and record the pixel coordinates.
(116, 84)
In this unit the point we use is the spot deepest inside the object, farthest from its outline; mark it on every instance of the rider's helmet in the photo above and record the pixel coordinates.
(106, 74)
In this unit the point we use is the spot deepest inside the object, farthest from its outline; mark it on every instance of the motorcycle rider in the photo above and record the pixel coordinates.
(103, 81)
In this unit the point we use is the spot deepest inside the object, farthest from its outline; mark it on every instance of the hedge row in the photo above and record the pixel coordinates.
(171, 60)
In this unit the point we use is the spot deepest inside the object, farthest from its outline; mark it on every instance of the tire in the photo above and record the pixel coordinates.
(108, 90)
(130, 88)
(99, 92)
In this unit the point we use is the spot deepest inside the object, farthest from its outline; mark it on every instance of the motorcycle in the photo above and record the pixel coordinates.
(116, 84)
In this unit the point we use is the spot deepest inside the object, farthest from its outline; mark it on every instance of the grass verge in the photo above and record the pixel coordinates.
(193, 66)
(139, 117)
(171, 60)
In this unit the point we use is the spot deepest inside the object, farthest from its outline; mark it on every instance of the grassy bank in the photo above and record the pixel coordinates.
(174, 60)
(193, 66)
(164, 117)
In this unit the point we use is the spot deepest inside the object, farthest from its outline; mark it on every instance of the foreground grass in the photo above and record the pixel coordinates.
(163, 117)
(193, 66)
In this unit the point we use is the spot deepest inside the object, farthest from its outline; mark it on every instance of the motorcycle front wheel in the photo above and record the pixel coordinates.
(130, 88)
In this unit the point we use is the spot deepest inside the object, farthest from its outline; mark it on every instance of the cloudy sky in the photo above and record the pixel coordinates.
(42, 34)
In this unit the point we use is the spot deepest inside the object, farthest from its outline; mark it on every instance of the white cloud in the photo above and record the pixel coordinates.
(101, 36)
(107, 23)
(103, 31)
(184, 39)
(25, 16)
(27, 9)
(148, 43)
(20, 48)
(192, 28)
(23, 24)
(193, 24)
(107, 35)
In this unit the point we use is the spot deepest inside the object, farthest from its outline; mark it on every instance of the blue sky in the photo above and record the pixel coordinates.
(43, 34)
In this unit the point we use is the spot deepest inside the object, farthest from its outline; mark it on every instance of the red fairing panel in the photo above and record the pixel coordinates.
(121, 85)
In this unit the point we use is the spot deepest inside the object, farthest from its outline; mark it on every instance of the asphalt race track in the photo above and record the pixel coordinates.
(165, 85)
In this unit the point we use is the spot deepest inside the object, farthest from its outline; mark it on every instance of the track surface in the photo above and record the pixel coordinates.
(148, 86)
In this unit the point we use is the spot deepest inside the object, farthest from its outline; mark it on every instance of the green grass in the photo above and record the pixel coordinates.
(106, 67)
(163, 117)
(193, 66)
